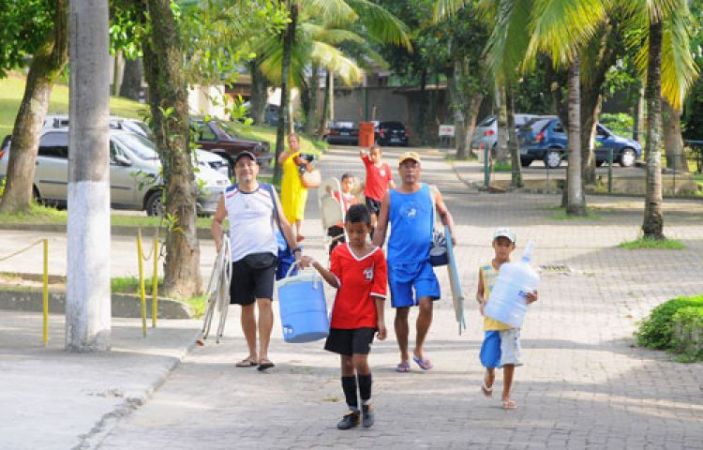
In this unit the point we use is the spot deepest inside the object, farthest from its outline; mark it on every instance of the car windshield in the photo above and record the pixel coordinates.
(142, 147)
(487, 121)
(536, 125)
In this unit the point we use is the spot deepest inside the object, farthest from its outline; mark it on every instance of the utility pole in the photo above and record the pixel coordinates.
(88, 308)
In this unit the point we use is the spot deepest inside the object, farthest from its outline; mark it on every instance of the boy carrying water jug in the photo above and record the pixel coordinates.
(358, 272)
(501, 342)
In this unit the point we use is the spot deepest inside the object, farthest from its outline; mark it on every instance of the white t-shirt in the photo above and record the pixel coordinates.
(251, 222)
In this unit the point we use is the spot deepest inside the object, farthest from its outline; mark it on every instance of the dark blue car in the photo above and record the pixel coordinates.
(545, 139)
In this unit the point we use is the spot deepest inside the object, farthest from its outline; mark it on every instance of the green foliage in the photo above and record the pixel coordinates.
(687, 339)
(2, 186)
(656, 331)
(502, 166)
(25, 25)
(620, 123)
(655, 244)
(130, 285)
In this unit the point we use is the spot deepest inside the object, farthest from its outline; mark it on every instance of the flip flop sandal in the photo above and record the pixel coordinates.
(509, 404)
(425, 364)
(265, 365)
(246, 362)
(487, 391)
(403, 367)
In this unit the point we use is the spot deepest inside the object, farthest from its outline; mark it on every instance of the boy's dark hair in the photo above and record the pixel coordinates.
(346, 175)
(358, 214)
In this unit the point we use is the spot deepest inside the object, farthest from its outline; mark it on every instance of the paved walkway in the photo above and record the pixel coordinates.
(583, 385)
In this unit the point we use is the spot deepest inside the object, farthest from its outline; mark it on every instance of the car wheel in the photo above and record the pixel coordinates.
(525, 162)
(154, 205)
(627, 157)
(552, 159)
(600, 162)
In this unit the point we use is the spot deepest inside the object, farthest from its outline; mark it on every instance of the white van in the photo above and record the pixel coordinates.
(135, 173)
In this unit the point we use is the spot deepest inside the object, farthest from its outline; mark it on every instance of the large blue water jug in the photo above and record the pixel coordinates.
(507, 302)
(303, 308)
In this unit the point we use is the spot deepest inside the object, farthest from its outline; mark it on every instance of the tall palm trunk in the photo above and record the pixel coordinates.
(324, 115)
(284, 112)
(470, 123)
(501, 153)
(132, 79)
(259, 92)
(575, 204)
(313, 89)
(516, 175)
(673, 141)
(168, 101)
(591, 105)
(88, 304)
(47, 64)
(653, 222)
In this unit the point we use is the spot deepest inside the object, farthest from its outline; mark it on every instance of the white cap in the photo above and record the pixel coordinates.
(504, 232)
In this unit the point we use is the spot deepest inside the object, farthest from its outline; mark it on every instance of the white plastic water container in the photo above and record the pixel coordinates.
(507, 302)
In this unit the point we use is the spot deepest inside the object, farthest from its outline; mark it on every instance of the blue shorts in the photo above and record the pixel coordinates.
(403, 278)
(500, 348)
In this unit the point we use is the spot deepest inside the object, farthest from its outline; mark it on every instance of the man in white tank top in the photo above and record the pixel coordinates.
(253, 221)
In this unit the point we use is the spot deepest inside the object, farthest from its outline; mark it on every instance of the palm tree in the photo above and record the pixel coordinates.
(376, 21)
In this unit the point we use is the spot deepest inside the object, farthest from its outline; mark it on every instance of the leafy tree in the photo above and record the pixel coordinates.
(37, 28)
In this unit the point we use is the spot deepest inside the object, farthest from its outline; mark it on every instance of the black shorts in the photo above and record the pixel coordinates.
(373, 205)
(356, 341)
(252, 278)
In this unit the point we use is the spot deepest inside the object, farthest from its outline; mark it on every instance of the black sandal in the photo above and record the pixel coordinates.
(265, 364)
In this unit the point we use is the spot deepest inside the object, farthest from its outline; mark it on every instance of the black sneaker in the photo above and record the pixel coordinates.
(350, 420)
(368, 416)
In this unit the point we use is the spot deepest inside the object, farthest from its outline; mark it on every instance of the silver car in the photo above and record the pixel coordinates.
(135, 173)
(486, 133)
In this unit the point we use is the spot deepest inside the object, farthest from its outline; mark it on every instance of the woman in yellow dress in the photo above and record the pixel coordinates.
(293, 193)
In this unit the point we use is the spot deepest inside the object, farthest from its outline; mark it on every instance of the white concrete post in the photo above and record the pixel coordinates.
(88, 307)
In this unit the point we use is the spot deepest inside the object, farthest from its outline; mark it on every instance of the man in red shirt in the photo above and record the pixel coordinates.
(379, 179)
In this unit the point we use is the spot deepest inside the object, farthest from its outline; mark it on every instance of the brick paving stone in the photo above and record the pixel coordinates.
(583, 385)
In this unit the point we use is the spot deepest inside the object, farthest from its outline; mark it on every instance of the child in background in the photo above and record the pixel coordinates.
(346, 199)
(358, 272)
(501, 343)
(378, 180)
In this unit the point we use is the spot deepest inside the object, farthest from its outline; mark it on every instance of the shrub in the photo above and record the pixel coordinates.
(688, 332)
(620, 123)
(657, 330)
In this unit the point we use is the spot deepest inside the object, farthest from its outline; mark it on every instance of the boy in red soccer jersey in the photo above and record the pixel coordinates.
(379, 179)
(358, 271)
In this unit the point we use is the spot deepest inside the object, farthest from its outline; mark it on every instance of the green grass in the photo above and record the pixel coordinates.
(268, 134)
(40, 215)
(647, 243)
(502, 166)
(130, 285)
(560, 214)
(12, 90)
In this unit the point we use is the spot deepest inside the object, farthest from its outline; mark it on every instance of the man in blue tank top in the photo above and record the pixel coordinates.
(410, 210)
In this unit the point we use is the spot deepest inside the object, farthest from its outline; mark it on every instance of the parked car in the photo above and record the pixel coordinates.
(545, 139)
(342, 132)
(486, 131)
(135, 173)
(217, 137)
(391, 133)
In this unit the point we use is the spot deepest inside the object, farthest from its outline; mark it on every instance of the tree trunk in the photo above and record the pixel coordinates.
(283, 117)
(47, 64)
(116, 74)
(653, 223)
(639, 116)
(470, 123)
(591, 102)
(457, 110)
(324, 116)
(132, 79)
(311, 118)
(576, 203)
(673, 141)
(168, 99)
(259, 92)
(88, 302)
(516, 172)
(421, 124)
(501, 151)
